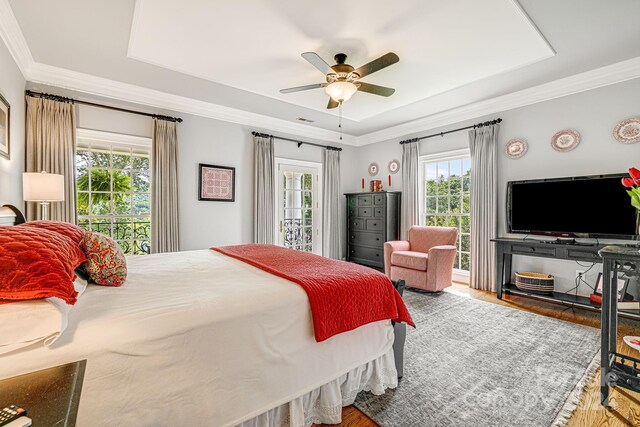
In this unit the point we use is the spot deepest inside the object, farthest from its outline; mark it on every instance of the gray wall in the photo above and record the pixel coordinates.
(202, 140)
(12, 86)
(593, 114)
(205, 224)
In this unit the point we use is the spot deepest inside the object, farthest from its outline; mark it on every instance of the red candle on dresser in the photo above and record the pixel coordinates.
(363, 183)
(389, 180)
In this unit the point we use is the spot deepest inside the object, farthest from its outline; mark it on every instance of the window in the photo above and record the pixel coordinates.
(299, 209)
(447, 198)
(113, 188)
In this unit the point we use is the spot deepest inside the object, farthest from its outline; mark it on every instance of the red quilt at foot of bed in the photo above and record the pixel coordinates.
(343, 296)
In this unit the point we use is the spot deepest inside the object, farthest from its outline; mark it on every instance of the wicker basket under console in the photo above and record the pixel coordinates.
(534, 282)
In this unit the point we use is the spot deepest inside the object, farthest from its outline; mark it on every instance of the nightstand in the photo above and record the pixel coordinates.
(50, 396)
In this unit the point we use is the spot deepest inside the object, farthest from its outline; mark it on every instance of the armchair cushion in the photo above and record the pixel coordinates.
(389, 248)
(412, 260)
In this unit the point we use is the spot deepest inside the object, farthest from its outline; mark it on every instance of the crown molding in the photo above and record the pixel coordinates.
(13, 38)
(86, 83)
(588, 80)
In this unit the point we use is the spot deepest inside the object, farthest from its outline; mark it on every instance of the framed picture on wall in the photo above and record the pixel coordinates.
(4, 127)
(622, 286)
(217, 183)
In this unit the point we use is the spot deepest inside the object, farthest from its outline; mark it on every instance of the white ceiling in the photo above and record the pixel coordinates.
(255, 45)
(228, 56)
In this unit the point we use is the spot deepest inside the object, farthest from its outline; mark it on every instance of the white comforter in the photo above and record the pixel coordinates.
(196, 336)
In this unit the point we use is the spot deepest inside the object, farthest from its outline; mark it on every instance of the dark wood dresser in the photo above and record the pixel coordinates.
(372, 219)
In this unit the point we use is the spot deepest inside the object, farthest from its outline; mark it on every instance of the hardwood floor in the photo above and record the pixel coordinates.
(625, 405)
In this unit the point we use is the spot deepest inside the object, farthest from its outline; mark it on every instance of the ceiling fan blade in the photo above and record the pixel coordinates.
(377, 64)
(375, 89)
(315, 60)
(301, 88)
(332, 104)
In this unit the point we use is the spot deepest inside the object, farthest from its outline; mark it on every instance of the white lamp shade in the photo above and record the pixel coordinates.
(42, 187)
(341, 91)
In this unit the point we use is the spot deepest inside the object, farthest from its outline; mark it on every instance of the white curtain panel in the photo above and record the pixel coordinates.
(265, 190)
(331, 201)
(164, 188)
(50, 146)
(409, 197)
(484, 206)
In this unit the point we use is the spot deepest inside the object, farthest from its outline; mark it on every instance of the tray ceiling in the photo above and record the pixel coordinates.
(459, 59)
(255, 45)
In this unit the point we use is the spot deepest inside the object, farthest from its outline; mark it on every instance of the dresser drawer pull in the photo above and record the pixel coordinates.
(377, 239)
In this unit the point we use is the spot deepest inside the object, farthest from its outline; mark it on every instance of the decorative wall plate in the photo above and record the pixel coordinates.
(565, 140)
(516, 148)
(373, 169)
(394, 166)
(628, 131)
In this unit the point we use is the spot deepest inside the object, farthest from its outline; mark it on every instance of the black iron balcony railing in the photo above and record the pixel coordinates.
(293, 233)
(133, 237)
(296, 235)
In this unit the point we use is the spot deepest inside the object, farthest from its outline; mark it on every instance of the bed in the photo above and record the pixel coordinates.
(207, 338)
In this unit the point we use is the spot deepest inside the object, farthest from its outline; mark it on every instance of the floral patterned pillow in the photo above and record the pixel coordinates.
(106, 264)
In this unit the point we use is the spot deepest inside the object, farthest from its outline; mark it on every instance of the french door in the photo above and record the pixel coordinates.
(299, 205)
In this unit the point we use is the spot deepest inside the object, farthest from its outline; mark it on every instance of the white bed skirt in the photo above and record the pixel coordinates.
(324, 404)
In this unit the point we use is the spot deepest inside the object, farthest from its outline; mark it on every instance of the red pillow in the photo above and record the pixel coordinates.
(36, 263)
(106, 264)
(72, 231)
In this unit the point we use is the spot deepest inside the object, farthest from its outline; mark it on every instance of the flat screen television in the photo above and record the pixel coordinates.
(588, 206)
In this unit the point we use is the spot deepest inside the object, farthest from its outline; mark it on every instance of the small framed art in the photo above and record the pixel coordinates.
(217, 183)
(622, 286)
(4, 127)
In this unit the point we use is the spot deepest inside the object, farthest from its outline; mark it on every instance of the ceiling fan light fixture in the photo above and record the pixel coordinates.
(341, 91)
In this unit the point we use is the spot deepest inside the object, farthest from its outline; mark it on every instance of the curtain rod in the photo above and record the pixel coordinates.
(265, 135)
(93, 104)
(477, 125)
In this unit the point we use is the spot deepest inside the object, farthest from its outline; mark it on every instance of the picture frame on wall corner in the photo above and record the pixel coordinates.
(5, 123)
(216, 183)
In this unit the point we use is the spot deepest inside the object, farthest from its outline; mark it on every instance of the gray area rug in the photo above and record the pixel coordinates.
(473, 363)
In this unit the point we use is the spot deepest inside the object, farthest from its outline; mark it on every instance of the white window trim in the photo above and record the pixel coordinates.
(442, 156)
(88, 138)
(459, 275)
(319, 207)
(84, 137)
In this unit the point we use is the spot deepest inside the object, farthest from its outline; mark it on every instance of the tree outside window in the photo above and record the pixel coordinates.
(447, 200)
(113, 194)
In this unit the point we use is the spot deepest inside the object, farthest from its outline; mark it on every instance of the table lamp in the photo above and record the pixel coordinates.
(43, 187)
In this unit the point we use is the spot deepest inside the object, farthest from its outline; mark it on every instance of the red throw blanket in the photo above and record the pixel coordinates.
(343, 296)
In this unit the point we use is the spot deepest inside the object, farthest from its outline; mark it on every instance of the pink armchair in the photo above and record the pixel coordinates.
(425, 261)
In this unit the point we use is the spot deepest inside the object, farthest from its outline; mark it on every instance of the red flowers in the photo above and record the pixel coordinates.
(633, 183)
(634, 180)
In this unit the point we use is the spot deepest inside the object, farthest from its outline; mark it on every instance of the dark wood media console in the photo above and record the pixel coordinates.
(507, 247)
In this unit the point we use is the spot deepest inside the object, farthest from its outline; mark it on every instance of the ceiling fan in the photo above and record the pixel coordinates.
(343, 80)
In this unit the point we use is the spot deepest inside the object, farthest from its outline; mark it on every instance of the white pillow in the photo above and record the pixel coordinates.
(23, 323)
